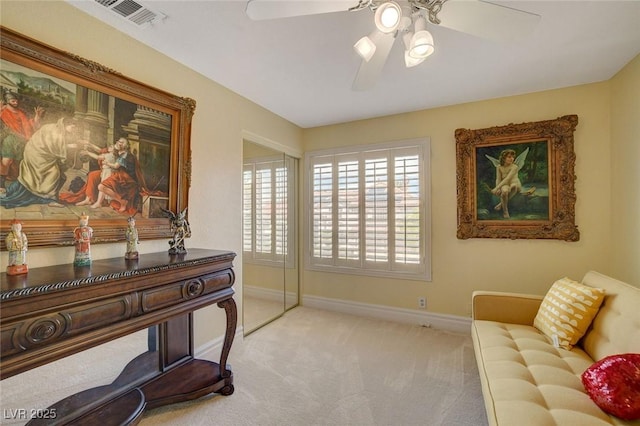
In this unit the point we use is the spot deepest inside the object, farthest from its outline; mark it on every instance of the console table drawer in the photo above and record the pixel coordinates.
(185, 290)
(46, 329)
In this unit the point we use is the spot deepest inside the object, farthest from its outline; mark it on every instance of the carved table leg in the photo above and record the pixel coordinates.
(231, 312)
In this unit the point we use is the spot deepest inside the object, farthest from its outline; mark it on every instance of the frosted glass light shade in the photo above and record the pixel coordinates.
(365, 48)
(421, 44)
(387, 17)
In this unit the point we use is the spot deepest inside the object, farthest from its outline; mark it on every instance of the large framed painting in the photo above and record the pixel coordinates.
(517, 181)
(80, 138)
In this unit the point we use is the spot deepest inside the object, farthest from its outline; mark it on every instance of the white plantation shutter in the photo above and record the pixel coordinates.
(368, 210)
(266, 207)
(322, 211)
(376, 204)
(280, 211)
(263, 220)
(247, 209)
(407, 215)
(348, 211)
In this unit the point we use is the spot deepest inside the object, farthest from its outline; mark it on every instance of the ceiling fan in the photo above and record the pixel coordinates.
(408, 20)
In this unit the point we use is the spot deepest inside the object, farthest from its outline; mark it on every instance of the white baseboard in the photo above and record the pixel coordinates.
(410, 316)
(211, 349)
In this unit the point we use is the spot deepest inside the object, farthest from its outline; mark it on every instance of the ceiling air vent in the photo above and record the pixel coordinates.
(132, 11)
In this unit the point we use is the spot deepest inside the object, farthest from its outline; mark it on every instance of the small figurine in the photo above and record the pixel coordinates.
(82, 237)
(17, 246)
(131, 234)
(181, 230)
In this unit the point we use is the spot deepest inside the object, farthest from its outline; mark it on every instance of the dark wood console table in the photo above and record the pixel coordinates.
(56, 311)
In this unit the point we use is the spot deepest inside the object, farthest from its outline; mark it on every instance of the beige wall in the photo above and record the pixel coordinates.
(608, 124)
(461, 266)
(220, 119)
(625, 173)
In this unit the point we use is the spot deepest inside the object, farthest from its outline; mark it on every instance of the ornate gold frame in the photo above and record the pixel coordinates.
(557, 139)
(29, 53)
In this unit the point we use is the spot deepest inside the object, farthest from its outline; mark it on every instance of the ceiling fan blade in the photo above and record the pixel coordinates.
(369, 72)
(272, 9)
(487, 20)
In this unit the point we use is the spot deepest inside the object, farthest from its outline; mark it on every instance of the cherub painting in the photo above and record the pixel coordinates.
(513, 181)
(507, 181)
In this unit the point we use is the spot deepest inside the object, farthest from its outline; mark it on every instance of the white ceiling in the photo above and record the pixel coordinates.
(302, 68)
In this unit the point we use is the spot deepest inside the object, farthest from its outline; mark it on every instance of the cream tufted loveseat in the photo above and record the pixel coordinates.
(525, 379)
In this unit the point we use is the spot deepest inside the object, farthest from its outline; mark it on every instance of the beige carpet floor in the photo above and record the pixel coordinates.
(309, 367)
(314, 367)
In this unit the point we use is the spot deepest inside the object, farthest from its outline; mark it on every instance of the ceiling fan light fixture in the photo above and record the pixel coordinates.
(388, 16)
(365, 48)
(421, 44)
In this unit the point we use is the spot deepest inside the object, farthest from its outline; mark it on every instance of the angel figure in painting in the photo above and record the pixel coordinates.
(181, 230)
(507, 181)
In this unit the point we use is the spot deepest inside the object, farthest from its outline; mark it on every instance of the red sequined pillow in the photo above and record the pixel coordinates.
(613, 383)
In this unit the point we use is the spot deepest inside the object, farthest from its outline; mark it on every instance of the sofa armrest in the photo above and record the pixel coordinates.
(510, 308)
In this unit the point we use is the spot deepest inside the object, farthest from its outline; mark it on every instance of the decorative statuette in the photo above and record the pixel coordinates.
(82, 237)
(17, 246)
(181, 230)
(131, 235)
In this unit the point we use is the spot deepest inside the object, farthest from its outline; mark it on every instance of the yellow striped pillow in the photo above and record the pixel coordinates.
(567, 311)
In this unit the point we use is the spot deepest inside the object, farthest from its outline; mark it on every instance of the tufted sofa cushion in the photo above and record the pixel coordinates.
(532, 382)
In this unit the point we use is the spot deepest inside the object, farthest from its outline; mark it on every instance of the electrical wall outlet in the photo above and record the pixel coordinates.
(422, 302)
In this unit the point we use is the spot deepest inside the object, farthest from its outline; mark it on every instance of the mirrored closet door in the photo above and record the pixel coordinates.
(269, 261)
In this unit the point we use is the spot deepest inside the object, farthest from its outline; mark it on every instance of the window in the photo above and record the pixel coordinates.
(266, 218)
(368, 210)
